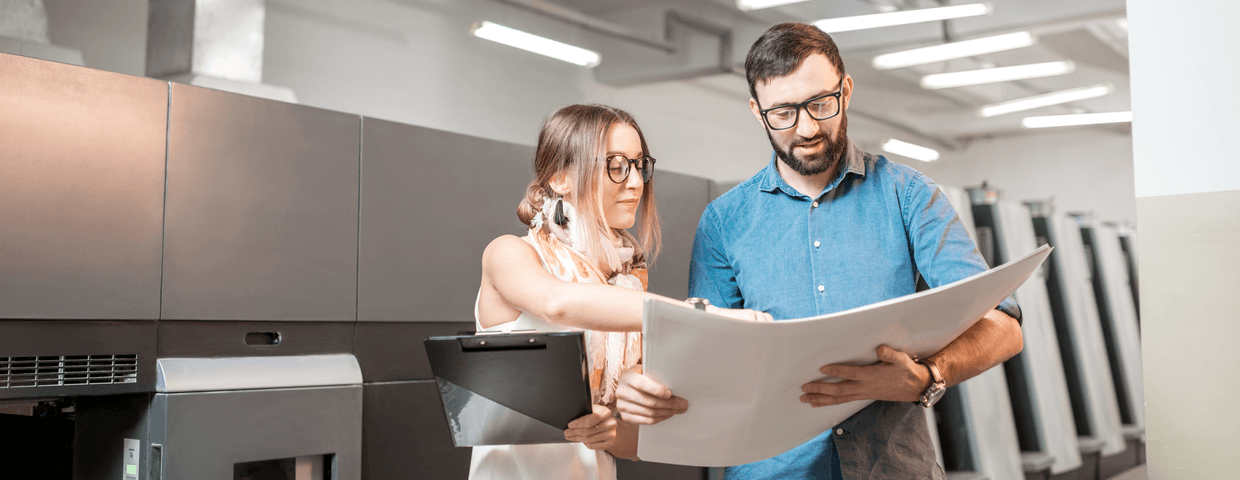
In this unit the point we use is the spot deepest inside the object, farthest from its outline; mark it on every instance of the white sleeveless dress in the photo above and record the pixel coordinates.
(554, 461)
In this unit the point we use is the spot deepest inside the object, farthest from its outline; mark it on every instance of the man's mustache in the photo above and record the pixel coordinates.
(821, 137)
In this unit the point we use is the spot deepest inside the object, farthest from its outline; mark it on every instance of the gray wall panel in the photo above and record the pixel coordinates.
(681, 199)
(431, 202)
(81, 191)
(261, 210)
(405, 434)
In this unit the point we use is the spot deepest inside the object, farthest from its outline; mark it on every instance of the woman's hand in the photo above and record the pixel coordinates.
(740, 314)
(596, 430)
(643, 401)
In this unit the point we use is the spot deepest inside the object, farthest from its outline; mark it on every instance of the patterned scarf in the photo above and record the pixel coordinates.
(609, 353)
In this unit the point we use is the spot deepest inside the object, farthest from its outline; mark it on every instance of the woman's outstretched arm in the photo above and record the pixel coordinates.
(512, 267)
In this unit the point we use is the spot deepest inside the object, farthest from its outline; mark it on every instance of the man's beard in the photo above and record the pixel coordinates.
(813, 164)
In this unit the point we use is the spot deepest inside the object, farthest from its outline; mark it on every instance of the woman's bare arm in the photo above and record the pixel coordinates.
(512, 266)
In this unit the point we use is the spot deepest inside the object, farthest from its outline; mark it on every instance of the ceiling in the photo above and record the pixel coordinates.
(1090, 33)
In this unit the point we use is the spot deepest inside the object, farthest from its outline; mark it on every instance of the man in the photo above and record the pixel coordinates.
(826, 227)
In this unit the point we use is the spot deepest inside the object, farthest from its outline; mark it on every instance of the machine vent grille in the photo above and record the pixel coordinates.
(51, 371)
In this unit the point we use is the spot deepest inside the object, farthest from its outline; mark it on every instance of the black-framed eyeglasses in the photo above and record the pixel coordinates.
(819, 108)
(619, 166)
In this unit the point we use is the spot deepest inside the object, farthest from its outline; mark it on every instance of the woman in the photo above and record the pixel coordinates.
(578, 269)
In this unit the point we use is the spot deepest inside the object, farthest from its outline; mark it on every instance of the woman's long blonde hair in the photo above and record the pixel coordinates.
(572, 140)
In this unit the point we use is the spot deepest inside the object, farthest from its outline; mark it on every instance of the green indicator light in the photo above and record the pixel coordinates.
(131, 469)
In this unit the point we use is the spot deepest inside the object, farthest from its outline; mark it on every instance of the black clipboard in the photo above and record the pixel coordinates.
(510, 389)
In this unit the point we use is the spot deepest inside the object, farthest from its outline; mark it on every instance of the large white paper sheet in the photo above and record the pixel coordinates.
(743, 379)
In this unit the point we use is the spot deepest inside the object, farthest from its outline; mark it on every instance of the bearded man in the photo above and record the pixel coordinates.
(824, 228)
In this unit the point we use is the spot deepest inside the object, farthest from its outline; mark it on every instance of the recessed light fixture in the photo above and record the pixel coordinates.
(747, 5)
(1078, 119)
(998, 74)
(954, 50)
(534, 43)
(905, 17)
(1045, 100)
(905, 149)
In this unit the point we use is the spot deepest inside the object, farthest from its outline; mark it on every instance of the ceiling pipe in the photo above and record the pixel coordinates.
(673, 18)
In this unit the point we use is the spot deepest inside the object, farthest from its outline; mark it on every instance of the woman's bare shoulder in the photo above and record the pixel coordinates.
(508, 248)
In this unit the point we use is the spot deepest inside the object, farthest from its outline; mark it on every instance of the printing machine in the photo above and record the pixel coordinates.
(1036, 378)
(200, 284)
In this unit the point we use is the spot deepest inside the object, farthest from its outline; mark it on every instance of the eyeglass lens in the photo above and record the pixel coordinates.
(619, 166)
(819, 109)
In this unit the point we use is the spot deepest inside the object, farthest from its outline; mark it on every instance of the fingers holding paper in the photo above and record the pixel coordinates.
(596, 430)
(641, 400)
(896, 377)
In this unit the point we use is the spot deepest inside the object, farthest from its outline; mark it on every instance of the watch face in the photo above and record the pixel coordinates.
(932, 395)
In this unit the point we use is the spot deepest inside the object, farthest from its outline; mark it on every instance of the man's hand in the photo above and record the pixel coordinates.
(895, 378)
(596, 430)
(644, 401)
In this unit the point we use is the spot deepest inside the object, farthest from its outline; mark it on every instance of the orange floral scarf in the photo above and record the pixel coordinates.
(609, 353)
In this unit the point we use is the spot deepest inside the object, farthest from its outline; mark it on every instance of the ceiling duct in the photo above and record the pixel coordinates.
(683, 55)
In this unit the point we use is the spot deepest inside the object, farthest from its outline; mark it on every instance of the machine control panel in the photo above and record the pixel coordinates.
(131, 459)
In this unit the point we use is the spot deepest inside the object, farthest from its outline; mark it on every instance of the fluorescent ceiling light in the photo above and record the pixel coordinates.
(999, 74)
(747, 5)
(1079, 119)
(915, 152)
(1045, 100)
(878, 20)
(534, 43)
(954, 50)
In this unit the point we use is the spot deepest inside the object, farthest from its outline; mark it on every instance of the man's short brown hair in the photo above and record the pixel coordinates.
(782, 48)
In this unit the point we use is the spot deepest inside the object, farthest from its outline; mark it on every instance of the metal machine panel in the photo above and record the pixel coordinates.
(1080, 334)
(431, 201)
(47, 358)
(1119, 320)
(206, 434)
(681, 200)
(405, 432)
(81, 191)
(261, 210)
(253, 339)
(1036, 376)
(390, 351)
(179, 375)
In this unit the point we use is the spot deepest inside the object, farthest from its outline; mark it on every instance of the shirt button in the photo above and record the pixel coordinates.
(821, 288)
(839, 431)
(817, 243)
(815, 204)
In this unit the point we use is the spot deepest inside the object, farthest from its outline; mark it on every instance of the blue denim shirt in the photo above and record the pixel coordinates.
(864, 239)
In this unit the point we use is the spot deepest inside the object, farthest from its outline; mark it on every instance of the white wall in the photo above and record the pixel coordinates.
(1084, 169)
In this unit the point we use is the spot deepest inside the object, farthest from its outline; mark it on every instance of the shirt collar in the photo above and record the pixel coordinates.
(854, 162)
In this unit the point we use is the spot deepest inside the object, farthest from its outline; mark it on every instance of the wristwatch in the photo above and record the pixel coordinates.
(698, 303)
(937, 386)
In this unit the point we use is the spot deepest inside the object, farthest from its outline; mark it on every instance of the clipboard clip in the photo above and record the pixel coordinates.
(503, 342)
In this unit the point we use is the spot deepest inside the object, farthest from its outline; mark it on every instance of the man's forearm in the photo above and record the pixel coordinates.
(989, 342)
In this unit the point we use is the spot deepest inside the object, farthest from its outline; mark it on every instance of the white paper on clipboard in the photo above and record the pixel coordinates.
(743, 379)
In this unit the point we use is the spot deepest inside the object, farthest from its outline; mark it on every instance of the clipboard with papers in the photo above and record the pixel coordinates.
(511, 388)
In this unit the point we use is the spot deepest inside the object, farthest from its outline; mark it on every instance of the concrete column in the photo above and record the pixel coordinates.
(1185, 103)
(210, 43)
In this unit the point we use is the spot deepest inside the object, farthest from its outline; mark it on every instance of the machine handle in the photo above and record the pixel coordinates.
(262, 339)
